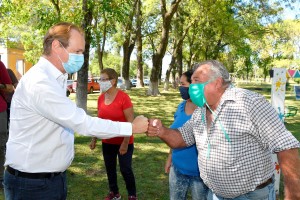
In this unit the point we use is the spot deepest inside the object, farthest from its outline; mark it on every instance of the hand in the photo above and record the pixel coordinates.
(154, 128)
(140, 124)
(168, 165)
(123, 148)
(93, 143)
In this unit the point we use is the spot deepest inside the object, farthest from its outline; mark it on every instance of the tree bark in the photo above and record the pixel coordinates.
(128, 46)
(158, 56)
(139, 42)
(100, 48)
(81, 91)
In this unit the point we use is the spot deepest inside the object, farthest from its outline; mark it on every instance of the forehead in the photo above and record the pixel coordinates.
(104, 75)
(76, 41)
(201, 72)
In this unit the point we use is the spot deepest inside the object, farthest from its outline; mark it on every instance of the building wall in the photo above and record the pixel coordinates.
(15, 60)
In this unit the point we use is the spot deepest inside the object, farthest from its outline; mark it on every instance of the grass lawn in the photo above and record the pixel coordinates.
(86, 176)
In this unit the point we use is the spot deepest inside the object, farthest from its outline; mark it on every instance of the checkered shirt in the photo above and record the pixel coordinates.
(255, 131)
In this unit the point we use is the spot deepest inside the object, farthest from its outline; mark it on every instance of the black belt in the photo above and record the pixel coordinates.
(269, 181)
(31, 175)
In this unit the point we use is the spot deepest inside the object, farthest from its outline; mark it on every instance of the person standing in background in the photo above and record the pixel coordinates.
(9, 96)
(181, 163)
(114, 104)
(6, 87)
(43, 121)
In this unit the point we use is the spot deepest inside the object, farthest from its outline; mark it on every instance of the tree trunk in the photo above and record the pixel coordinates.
(168, 72)
(100, 48)
(139, 42)
(158, 56)
(81, 91)
(128, 46)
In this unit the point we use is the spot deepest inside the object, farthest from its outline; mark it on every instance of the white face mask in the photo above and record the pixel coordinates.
(105, 85)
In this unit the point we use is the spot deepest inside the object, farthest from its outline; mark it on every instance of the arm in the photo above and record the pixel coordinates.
(171, 137)
(5, 81)
(93, 143)
(129, 115)
(290, 165)
(168, 162)
(9, 88)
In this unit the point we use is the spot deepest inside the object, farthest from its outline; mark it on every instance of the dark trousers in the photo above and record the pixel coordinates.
(110, 154)
(18, 188)
(3, 140)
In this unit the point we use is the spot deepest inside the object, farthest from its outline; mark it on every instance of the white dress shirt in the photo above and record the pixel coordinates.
(43, 121)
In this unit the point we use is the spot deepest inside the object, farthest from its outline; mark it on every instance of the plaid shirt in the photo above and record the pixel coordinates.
(235, 167)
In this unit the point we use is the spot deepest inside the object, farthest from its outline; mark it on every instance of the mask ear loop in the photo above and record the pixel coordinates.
(222, 128)
(220, 124)
(208, 142)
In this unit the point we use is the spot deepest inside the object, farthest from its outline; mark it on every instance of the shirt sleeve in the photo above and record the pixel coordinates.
(61, 110)
(272, 132)
(187, 130)
(126, 101)
(4, 78)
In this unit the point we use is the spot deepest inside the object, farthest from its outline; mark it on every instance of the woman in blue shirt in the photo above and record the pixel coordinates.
(182, 163)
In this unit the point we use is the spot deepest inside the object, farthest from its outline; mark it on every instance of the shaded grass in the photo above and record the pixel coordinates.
(87, 177)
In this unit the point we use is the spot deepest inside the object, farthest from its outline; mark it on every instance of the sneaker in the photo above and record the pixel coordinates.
(132, 198)
(113, 196)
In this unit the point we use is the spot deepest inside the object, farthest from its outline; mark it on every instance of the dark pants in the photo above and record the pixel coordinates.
(110, 153)
(3, 140)
(18, 188)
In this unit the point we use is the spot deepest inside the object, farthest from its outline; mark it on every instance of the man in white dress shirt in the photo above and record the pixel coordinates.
(43, 120)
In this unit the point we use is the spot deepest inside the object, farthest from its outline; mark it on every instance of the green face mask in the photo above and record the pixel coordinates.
(196, 91)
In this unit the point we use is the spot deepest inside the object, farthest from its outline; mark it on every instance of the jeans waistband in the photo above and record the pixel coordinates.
(269, 181)
(31, 175)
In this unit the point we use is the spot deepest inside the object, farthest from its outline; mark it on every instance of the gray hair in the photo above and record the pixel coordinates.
(217, 70)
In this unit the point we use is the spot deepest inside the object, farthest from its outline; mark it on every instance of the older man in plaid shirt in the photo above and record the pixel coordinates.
(235, 131)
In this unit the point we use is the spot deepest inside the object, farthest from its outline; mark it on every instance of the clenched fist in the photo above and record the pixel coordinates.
(140, 124)
(155, 126)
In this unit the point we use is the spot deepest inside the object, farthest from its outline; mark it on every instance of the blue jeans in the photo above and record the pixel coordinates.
(18, 188)
(179, 185)
(266, 193)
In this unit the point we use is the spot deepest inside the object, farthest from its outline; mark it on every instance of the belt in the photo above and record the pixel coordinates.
(269, 181)
(31, 175)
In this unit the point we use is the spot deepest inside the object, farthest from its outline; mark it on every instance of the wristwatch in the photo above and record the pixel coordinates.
(2, 86)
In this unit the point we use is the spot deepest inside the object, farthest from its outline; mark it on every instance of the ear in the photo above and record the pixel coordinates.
(219, 83)
(113, 82)
(56, 46)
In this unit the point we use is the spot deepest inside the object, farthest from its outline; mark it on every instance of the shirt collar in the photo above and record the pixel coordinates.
(229, 95)
(54, 72)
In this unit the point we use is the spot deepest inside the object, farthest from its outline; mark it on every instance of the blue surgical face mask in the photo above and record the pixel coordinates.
(196, 91)
(74, 63)
(184, 92)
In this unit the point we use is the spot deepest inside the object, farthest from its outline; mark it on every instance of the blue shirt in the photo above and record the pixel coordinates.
(184, 159)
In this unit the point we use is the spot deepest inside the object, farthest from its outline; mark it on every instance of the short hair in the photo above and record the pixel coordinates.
(111, 73)
(217, 70)
(188, 74)
(60, 32)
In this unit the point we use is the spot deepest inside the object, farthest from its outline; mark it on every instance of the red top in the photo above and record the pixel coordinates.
(114, 112)
(4, 79)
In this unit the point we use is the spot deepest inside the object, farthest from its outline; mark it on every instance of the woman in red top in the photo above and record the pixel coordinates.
(114, 104)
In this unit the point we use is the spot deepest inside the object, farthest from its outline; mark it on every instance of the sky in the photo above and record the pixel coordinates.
(291, 14)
